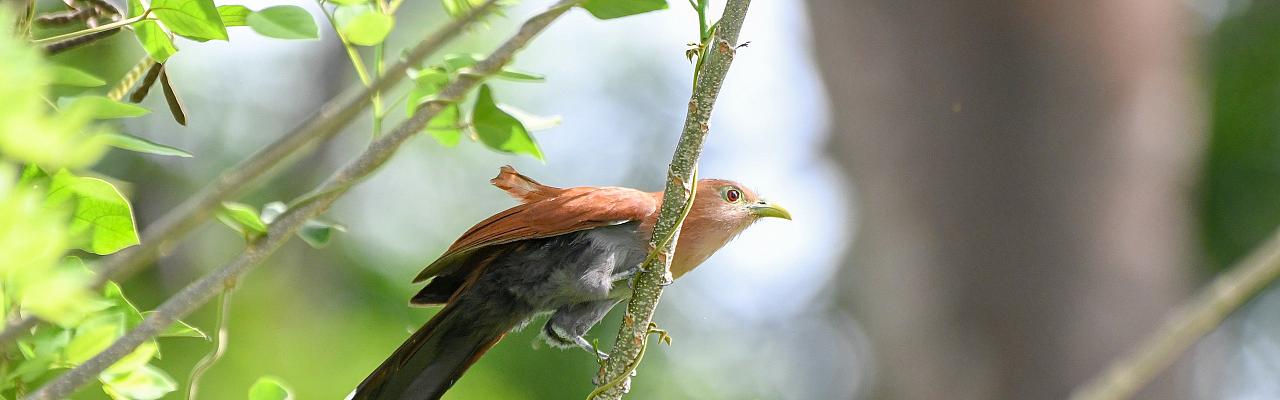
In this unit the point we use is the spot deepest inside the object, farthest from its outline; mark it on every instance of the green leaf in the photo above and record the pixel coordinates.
(269, 388)
(609, 9)
(499, 130)
(362, 25)
(531, 121)
(446, 126)
(318, 233)
(151, 35)
(459, 8)
(134, 143)
(101, 107)
(457, 61)
(520, 76)
(154, 40)
(112, 293)
(195, 19)
(93, 336)
(234, 15)
(284, 22)
(67, 76)
(183, 329)
(136, 359)
(103, 221)
(145, 383)
(243, 218)
(272, 210)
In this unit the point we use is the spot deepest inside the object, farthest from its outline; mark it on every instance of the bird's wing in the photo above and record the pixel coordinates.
(570, 210)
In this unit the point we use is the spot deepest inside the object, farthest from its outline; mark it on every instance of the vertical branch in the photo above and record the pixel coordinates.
(647, 287)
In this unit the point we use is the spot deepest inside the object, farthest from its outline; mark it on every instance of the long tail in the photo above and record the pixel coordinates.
(427, 364)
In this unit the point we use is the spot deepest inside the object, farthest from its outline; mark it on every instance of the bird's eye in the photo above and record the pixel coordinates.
(732, 195)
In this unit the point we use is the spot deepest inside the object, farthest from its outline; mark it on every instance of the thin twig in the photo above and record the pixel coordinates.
(283, 228)
(100, 28)
(219, 344)
(1187, 324)
(648, 284)
(317, 128)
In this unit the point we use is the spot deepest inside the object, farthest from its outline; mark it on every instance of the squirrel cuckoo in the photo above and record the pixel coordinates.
(565, 251)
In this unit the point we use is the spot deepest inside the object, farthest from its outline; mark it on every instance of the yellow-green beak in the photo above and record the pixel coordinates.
(765, 209)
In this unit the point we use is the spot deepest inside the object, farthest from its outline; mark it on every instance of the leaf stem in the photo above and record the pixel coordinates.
(99, 28)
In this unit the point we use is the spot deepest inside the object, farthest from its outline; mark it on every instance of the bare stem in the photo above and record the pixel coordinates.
(219, 345)
(648, 284)
(1187, 324)
(283, 228)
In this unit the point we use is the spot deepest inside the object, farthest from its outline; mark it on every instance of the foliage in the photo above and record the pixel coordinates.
(58, 216)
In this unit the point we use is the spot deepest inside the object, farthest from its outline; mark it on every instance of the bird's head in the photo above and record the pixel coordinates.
(721, 211)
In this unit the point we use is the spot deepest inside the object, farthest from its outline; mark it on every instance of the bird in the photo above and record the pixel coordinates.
(567, 251)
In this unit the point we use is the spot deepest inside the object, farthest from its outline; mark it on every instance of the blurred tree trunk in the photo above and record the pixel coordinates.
(1023, 172)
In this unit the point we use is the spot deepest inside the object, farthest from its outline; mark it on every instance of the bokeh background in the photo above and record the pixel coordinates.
(992, 199)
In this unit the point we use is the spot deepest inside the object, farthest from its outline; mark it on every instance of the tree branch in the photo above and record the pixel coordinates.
(647, 286)
(283, 228)
(1187, 324)
(317, 128)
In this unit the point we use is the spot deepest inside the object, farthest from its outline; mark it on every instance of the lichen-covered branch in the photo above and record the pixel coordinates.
(1187, 324)
(321, 126)
(283, 228)
(647, 286)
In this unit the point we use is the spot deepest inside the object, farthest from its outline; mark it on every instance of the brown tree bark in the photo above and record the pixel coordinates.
(1023, 173)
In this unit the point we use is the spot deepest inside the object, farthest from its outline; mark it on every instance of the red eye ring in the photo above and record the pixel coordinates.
(732, 195)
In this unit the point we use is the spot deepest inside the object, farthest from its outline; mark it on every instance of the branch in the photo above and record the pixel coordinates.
(283, 228)
(317, 128)
(647, 286)
(1187, 324)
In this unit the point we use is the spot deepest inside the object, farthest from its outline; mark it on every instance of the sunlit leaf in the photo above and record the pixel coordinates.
(446, 126)
(67, 76)
(145, 383)
(521, 76)
(154, 40)
(112, 293)
(60, 297)
(102, 107)
(149, 33)
(93, 336)
(102, 220)
(195, 19)
(272, 210)
(134, 143)
(531, 121)
(243, 218)
(457, 61)
(318, 233)
(136, 359)
(284, 22)
(363, 25)
(234, 15)
(499, 130)
(608, 9)
(180, 329)
(269, 388)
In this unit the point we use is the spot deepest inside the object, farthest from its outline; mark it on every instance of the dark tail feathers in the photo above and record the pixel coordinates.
(427, 364)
